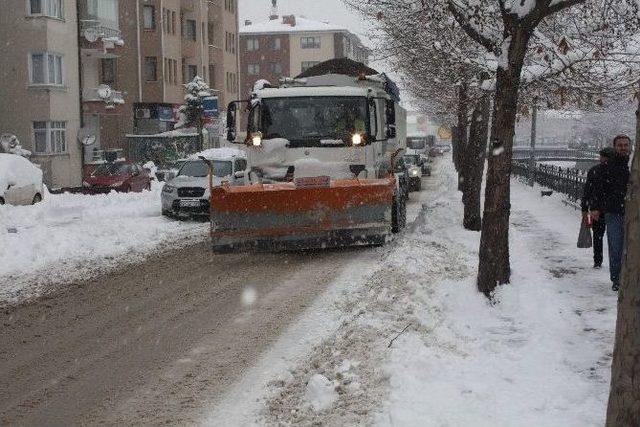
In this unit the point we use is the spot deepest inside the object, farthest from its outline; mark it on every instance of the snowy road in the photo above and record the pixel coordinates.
(157, 342)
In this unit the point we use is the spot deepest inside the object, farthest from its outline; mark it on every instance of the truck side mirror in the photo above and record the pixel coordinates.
(231, 121)
(391, 131)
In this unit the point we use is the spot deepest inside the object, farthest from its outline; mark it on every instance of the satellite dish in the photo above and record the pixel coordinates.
(88, 140)
(104, 92)
(8, 140)
(91, 35)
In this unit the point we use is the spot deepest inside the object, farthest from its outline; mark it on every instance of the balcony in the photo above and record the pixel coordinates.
(102, 99)
(99, 36)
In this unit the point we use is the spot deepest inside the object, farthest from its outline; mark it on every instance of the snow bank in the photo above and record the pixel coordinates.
(320, 393)
(540, 356)
(67, 236)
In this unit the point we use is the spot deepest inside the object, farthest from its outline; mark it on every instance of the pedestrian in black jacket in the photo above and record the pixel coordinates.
(589, 203)
(609, 198)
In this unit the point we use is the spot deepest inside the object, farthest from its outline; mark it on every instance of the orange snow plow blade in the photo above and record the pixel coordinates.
(284, 216)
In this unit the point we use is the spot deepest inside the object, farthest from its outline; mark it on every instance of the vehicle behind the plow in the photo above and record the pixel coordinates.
(286, 216)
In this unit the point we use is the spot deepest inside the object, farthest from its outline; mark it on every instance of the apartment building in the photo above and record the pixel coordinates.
(289, 45)
(171, 42)
(40, 84)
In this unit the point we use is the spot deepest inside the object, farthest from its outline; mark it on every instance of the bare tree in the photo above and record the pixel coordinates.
(624, 397)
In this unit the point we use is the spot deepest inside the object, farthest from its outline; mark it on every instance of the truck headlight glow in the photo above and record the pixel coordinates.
(413, 172)
(356, 139)
(256, 139)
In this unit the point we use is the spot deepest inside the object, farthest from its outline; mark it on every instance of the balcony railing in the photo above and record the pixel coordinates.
(99, 28)
(103, 94)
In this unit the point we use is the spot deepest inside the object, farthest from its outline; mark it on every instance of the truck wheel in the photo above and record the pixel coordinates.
(398, 214)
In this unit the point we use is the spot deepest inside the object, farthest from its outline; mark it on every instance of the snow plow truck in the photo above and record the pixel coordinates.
(321, 152)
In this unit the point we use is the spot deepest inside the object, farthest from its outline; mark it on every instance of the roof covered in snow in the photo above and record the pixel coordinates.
(283, 25)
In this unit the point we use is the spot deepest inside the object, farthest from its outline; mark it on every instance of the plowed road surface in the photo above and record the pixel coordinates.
(155, 342)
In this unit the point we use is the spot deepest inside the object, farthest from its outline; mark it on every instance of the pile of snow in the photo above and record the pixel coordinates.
(321, 393)
(223, 153)
(71, 236)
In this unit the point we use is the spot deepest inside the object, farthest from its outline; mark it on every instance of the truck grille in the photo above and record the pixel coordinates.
(190, 192)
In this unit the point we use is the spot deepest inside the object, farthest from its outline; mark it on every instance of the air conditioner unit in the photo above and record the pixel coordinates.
(143, 113)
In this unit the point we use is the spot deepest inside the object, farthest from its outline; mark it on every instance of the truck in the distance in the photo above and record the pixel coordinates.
(321, 170)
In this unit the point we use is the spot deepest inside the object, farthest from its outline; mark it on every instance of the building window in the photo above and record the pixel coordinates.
(253, 69)
(276, 45)
(149, 17)
(308, 64)
(103, 10)
(173, 23)
(151, 68)
(190, 29)
(175, 71)
(310, 42)
(50, 137)
(276, 68)
(212, 76)
(211, 30)
(45, 69)
(108, 66)
(192, 72)
(253, 44)
(48, 8)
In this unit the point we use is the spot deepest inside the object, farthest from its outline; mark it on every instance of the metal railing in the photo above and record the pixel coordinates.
(542, 153)
(568, 181)
(103, 30)
(91, 95)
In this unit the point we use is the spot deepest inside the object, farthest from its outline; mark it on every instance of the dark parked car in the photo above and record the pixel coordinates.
(119, 176)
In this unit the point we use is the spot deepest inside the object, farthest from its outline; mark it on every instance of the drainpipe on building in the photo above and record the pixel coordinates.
(139, 51)
(81, 109)
(164, 86)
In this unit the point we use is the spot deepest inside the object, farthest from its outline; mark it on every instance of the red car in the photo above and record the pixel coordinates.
(119, 176)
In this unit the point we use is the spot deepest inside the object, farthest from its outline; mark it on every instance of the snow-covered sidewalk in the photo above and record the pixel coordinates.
(70, 236)
(412, 343)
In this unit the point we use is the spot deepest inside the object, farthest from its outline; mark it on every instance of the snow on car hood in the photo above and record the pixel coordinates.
(196, 181)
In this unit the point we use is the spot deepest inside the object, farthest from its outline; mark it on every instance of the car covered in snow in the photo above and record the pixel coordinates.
(20, 181)
(118, 176)
(187, 194)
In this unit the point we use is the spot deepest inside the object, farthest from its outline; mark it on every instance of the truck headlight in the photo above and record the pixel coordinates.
(256, 139)
(356, 139)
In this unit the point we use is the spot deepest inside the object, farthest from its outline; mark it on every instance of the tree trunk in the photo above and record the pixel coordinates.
(454, 146)
(475, 154)
(463, 125)
(624, 396)
(494, 268)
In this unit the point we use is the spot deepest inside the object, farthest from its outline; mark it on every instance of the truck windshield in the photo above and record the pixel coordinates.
(308, 121)
(416, 143)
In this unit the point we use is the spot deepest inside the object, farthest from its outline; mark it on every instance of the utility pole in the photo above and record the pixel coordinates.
(532, 153)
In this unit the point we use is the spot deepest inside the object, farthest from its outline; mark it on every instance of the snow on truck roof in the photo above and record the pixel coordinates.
(224, 153)
(312, 91)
